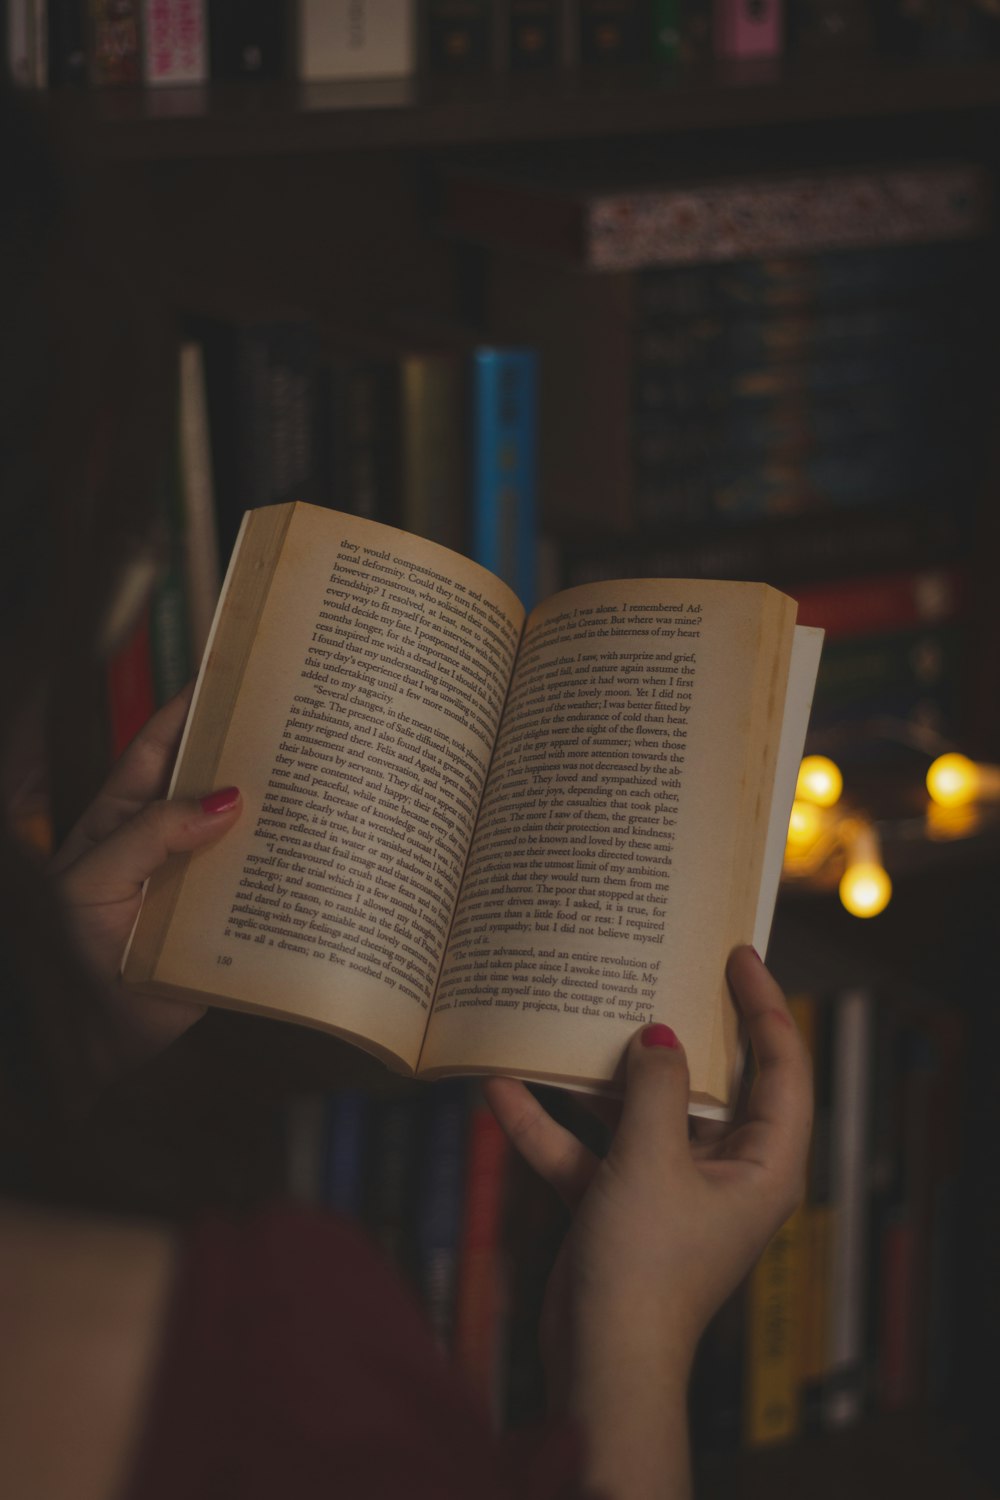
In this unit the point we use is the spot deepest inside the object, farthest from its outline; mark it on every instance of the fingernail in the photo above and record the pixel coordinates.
(756, 955)
(659, 1035)
(220, 802)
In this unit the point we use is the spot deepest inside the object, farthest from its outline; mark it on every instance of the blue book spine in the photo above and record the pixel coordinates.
(343, 1164)
(504, 391)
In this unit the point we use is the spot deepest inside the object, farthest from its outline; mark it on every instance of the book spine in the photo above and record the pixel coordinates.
(201, 547)
(771, 1392)
(343, 1166)
(814, 1021)
(480, 1292)
(734, 221)
(67, 43)
(20, 45)
(886, 602)
(390, 1180)
(666, 30)
(844, 1387)
(748, 28)
(366, 39)
(439, 1208)
(292, 357)
(504, 466)
(610, 32)
(535, 34)
(174, 41)
(115, 54)
(248, 38)
(305, 1125)
(131, 693)
(432, 448)
(459, 35)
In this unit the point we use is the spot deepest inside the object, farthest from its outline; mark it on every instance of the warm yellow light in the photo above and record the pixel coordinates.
(804, 827)
(953, 781)
(952, 822)
(820, 781)
(865, 890)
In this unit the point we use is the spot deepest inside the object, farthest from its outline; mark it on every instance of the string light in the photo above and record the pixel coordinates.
(955, 781)
(804, 827)
(819, 781)
(865, 887)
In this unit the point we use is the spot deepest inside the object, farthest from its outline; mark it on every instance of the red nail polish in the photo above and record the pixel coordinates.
(220, 802)
(659, 1035)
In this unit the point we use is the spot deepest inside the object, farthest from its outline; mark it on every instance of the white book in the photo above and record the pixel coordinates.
(353, 39)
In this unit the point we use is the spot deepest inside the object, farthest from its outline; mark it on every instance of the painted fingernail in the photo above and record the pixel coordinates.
(756, 955)
(220, 802)
(659, 1035)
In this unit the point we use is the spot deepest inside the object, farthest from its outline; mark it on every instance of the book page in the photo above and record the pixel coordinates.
(618, 855)
(360, 737)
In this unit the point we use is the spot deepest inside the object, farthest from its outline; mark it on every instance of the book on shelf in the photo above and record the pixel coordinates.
(174, 41)
(758, 388)
(474, 842)
(249, 38)
(607, 226)
(115, 49)
(366, 39)
(748, 28)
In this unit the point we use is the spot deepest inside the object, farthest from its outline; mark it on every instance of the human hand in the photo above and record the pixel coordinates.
(664, 1228)
(126, 834)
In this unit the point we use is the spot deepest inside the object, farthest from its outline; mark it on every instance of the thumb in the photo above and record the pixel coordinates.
(116, 868)
(654, 1115)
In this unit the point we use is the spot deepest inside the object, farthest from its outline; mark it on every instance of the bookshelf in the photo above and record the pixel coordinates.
(326, 192)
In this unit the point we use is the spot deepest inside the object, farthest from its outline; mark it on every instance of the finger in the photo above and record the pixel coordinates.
(654, 1114)
(565, 1163)
(779, 1110)
(140, 775)
(117, 867)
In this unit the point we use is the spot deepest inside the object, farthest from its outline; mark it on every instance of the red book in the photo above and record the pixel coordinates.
(480, 1298)
(888, 602)
(131, 696)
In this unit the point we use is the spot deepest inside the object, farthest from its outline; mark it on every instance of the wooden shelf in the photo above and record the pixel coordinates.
(225, 120)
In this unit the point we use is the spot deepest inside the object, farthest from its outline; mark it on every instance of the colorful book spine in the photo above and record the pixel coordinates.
(883, 602)
(504, 447)
(115, 53)
(748, 28)
(481, 1293)
(772, 1411)
(174, 41)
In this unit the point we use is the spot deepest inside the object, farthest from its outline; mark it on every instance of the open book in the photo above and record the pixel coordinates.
(476, 843)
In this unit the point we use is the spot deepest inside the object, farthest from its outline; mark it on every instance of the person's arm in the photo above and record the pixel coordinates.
(664, 1228)
(126, 833)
